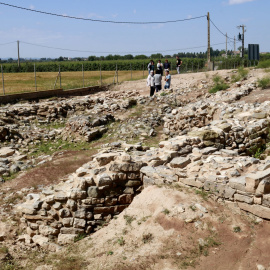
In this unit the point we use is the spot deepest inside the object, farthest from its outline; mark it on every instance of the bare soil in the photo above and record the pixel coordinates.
(152, 234)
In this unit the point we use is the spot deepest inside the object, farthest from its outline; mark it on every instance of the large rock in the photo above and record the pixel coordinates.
(180, 162)
(6, 152)
(64, 239)
(258, 210)
(253, 179)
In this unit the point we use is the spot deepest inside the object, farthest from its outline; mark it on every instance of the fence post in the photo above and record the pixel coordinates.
(3, 80)
(143, 70)
(83, 75)
(60, 77)
(117, 73)
(35, 77)
(100, 74)
(130, 71)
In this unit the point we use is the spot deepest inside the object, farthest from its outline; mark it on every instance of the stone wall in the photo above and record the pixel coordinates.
(231, 126)
(88, 200)
(51, 93)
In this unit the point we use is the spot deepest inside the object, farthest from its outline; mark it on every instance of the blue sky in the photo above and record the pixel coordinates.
(120, 39)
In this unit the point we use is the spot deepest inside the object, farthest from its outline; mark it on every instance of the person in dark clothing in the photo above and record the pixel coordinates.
(160, 67)
(167, 65)
(178, 64)
(151, 66)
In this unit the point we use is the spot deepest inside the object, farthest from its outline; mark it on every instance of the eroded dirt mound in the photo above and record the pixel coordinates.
(173, 228)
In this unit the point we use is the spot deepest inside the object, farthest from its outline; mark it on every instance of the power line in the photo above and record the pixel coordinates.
(8, 43)
(96, 20)
(220, 30)
(72, 50)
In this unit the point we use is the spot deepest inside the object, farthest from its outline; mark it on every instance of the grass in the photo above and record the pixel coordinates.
(147, 238)
(79, 237)
(25, 82)
(241, 75)
(202, 193)
(237, 229)
(10, 177)
(193, 208)
(257, 150)
(121, 241)
(264, 82)
(166, 211)
(49, 147)
(143, 219)
(264, 64)
(129, 219)
(52, 125)
(218, 84)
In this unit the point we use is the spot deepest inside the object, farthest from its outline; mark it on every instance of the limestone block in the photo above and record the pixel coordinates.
(253, 180)
(238, 183)
(180, 162)
(79, 223)
(6, 152)
(258, 210)
(67, 222)
(64, 239)
(242, 198)
(125, 199)
(191, 182)
(263, 187)
(47, 230)
(40, 240)
(64, 213)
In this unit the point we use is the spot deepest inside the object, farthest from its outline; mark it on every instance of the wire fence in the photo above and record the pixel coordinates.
(21, 82)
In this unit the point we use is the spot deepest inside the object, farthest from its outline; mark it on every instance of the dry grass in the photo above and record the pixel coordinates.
(25, 82)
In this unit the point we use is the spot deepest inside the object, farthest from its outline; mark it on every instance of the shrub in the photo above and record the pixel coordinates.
(264, 82)
(264, 64)
(219, 85)
(237, 229)
(242, 72)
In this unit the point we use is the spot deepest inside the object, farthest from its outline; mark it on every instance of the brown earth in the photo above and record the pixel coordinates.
(152, 234)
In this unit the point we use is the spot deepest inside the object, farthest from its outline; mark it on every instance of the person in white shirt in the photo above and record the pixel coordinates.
(151, 82)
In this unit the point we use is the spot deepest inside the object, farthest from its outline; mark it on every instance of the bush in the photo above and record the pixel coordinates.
(264, 64)
(264, 82)
(243, 72)
(219, 85)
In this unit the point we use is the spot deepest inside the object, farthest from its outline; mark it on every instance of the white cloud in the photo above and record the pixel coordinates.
(32, 7)
(235, 2)
(115, 15)
(189, 16)
(134, 11)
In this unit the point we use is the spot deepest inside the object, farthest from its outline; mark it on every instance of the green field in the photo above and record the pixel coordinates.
(25, 82)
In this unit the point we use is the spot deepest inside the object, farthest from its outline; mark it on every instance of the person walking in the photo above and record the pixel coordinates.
(178, 64)
(167, 79)
(158, 79)
(167, 65)
(151, 83)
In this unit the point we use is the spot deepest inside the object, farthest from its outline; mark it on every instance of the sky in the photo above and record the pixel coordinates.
(105, 38)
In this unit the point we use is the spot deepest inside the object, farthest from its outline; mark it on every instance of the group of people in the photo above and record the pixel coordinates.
(154, 81)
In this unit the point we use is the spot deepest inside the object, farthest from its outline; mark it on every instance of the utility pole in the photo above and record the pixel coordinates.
(234, 46)
(242, 38)
(208, 31)
(18, 45)
(226, 45)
